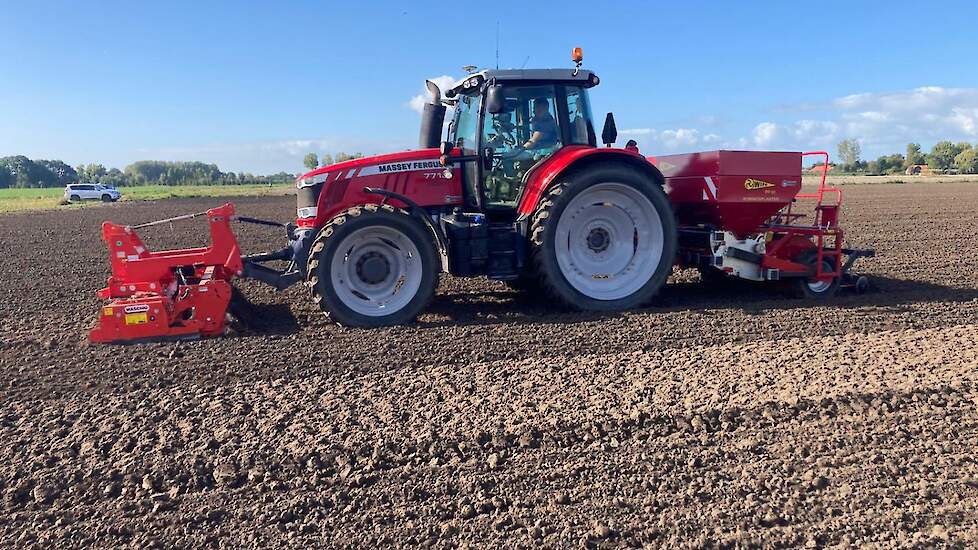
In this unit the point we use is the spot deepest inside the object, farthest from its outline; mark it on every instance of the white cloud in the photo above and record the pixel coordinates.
(882, 122)
(444, 82)
(924, 114)
(765, 134)
(680, 137)
(667, 141)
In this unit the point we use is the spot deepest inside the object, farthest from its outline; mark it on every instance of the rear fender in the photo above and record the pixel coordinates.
(576, 157)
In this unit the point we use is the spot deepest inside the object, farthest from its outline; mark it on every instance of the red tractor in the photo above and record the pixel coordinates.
(519, 192)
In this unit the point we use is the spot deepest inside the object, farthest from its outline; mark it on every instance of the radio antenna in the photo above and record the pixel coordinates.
(497, 44)
(524, 62)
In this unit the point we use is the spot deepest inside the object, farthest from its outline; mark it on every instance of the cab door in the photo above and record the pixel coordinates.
(514, 137)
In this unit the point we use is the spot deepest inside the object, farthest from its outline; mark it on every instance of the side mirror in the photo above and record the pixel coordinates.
(495, 100)
(610, 132)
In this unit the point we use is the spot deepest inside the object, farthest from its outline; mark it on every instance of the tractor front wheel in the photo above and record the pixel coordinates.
(603, 240)
(373, 266)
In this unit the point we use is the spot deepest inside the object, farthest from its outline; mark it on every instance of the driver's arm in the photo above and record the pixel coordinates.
(531, 143)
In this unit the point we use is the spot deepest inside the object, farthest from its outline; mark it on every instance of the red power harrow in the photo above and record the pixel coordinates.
(172, 294)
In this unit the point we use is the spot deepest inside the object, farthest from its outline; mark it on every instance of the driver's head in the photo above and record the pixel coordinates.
(540, 106)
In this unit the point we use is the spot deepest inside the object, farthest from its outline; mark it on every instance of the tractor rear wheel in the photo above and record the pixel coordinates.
(373, 266)
(603, 240)
(812, 288)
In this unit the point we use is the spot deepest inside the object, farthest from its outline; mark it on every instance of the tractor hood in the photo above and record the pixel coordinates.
(322, 191)
(348, 167)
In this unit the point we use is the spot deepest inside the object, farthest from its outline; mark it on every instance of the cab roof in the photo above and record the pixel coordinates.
(582, 77)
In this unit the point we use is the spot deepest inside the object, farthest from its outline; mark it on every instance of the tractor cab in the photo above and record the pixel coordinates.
(510, 121)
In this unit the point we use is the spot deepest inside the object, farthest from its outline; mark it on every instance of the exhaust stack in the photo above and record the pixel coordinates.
(432, 118)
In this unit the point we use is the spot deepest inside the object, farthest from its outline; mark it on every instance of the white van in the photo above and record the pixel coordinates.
(91, 191)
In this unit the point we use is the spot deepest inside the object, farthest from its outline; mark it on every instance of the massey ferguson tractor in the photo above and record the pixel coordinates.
(521, 192)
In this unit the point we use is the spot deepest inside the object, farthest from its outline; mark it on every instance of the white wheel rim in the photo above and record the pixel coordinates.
(818, 286)
(609, 241)
(376, 271)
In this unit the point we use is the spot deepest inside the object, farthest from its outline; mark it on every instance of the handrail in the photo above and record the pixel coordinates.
(822, 188)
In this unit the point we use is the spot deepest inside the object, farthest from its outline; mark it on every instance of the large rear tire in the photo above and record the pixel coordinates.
(603, 240)
(373, 266)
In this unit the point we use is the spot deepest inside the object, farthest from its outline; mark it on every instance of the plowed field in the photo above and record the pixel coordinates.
(718, 417)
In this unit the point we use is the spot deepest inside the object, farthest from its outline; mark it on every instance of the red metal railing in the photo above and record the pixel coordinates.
(825, 223)
(823, 188)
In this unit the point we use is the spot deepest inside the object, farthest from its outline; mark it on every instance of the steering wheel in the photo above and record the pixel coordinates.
(504, 131)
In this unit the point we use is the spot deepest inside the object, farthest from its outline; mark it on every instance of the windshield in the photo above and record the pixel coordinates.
(465, 126)
(465, 135)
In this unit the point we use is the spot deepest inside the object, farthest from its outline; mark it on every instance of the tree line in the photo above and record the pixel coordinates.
(945, 157)
(20, 171)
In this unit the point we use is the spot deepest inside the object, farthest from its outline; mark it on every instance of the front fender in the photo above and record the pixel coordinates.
(574, 157)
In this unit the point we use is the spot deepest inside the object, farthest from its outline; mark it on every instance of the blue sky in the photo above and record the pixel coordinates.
(253, 86)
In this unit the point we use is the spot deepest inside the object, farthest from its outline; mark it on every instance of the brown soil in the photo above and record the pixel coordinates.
(720, 417)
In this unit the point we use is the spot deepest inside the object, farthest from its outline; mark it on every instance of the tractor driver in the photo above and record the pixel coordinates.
(543, 126)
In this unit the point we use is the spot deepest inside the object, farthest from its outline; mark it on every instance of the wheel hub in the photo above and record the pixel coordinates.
(373, 268)
(598, 239)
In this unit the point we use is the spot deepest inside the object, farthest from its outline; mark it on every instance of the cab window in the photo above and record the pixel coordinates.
(579, 117)
(525, 132)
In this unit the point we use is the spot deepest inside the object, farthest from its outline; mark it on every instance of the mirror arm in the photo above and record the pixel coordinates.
(446, 160)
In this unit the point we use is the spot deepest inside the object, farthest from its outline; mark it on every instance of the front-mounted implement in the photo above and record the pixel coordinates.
(172, 294)
(184, 293)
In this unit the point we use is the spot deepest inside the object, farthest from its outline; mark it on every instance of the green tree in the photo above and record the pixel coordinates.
(942, 155)
(91, 173)
(27, 173)
(115, 178)
(888, 164)
(172, 173)
(343, 157)
(63, 173)
(849, 151)
(326, 160)
(6, 178)
(967, 161)
(914, 155)
(311, 161)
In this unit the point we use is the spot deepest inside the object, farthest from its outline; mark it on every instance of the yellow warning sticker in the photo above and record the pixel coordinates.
(136, 318)
(752, 184)
(107, 311)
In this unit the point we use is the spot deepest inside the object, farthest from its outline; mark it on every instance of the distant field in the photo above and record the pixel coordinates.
(13, 200)
(895, 178)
